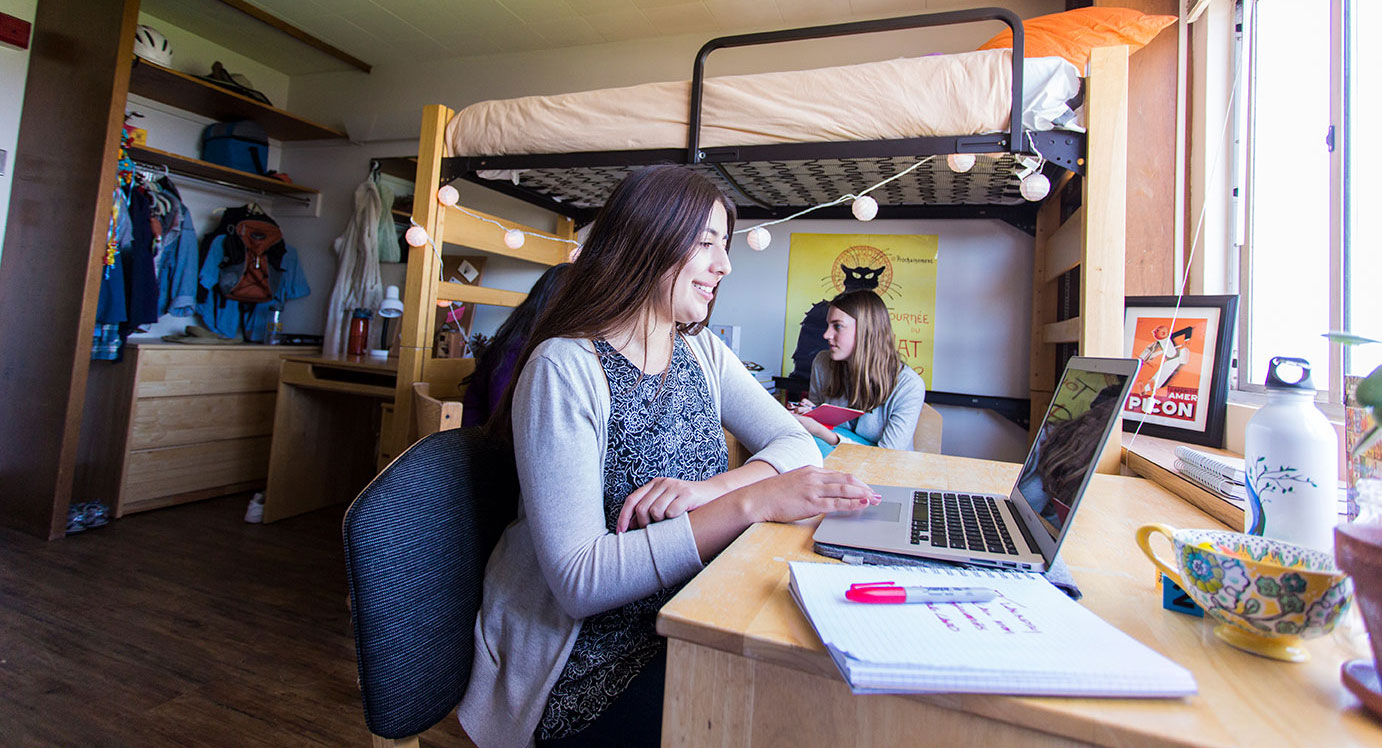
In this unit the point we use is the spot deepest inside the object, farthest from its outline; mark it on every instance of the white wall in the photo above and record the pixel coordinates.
(14, 68)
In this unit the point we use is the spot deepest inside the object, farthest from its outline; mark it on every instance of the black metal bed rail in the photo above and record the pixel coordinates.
(1015, 140)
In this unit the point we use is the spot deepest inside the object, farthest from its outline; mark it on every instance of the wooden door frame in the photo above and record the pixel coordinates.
(52, 265)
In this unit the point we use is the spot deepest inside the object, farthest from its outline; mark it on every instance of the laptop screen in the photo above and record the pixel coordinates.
(1065, 450)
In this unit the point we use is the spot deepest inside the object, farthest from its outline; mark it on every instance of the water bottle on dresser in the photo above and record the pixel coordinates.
(1292, 456)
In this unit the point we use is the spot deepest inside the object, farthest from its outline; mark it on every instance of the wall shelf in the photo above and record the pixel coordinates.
(216, 173)
(196, 95)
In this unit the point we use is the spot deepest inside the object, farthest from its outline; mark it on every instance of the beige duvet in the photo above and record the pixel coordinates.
(960, 94)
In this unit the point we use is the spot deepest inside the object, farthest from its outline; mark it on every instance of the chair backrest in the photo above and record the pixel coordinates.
(927, 437)
(431, 415)
(416, 543)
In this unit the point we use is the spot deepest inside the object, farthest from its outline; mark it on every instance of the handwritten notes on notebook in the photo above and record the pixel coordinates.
(1032, 640)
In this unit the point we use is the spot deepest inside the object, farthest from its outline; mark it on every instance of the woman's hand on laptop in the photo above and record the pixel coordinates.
(806, 492)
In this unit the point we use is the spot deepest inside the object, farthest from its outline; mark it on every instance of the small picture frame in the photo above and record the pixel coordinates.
(1182, 388)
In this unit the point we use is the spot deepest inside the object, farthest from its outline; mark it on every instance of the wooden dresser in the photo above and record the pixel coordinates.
(173, 423)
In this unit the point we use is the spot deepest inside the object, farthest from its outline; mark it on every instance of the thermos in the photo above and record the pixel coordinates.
(356, 343)
(1292, 464)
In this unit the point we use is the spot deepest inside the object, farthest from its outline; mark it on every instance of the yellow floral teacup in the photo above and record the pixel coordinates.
(1267, 594)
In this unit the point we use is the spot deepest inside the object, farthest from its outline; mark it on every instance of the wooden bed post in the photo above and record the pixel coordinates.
(1106, 204)
(420, 293)
(1093, 238)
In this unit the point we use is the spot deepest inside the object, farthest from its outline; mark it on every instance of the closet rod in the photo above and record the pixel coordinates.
(160, 171)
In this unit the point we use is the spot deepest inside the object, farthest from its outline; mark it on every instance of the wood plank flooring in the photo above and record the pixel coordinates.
(182, 627)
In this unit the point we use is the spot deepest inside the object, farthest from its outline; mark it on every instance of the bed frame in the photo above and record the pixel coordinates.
(1079, 229)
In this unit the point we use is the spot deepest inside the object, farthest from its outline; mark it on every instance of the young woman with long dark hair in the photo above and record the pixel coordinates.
(861, 369)
(615, 421)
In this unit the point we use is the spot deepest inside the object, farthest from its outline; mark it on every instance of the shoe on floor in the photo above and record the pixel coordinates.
(254, 513)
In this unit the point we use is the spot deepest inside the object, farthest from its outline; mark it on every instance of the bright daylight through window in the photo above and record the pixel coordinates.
(1300, 279)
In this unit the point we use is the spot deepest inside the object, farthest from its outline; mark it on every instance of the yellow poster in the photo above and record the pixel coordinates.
(900, 268)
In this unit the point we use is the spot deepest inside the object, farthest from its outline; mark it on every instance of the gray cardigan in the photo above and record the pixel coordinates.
(557, 563)
(891, 425)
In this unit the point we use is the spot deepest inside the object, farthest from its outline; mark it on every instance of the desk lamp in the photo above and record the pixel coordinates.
(390, 308)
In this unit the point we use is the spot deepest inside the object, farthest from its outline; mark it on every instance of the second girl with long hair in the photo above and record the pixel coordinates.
(861, 369)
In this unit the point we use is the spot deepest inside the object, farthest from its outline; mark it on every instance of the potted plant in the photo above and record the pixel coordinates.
(1368, 394)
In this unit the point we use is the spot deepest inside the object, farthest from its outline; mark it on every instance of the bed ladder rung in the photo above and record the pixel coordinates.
(479, 295)
(1065, 248)
(1065, 331)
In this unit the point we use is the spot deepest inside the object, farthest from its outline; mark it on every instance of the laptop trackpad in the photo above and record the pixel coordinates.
(887, 511)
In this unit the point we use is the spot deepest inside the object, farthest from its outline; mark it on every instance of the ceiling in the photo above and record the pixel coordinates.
(382, 31)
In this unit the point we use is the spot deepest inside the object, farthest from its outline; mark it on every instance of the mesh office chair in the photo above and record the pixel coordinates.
(416, 543)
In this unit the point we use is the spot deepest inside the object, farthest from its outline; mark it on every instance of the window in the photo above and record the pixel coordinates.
(1308, 263)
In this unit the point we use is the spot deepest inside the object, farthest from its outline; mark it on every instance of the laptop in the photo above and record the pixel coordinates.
(1022, 530)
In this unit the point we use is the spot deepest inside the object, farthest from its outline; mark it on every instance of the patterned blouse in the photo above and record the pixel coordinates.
(657, 428)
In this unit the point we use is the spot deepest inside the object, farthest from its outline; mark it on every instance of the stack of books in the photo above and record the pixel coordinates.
(1217, 474)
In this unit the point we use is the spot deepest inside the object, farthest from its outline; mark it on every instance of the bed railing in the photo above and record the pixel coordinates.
(1015, 140)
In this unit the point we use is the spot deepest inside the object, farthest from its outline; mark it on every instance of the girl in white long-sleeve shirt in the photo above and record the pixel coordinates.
(615, 421)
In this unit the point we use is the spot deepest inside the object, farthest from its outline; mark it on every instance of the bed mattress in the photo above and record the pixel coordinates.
(938, 95)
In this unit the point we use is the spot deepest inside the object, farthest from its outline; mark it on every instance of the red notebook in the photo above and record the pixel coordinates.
(831, 416)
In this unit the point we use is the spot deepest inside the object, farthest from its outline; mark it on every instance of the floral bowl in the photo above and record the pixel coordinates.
(1267, 594)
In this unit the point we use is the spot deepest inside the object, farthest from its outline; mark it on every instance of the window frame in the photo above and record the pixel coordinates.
(1244, 47)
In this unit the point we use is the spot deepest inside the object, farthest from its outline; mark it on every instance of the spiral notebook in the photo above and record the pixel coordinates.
(1031, 641)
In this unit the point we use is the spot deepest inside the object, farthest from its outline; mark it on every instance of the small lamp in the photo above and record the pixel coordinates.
(390, 308)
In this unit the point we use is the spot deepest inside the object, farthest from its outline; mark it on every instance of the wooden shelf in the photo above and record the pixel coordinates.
(214, 172)
(1154, 458)
(196, 95)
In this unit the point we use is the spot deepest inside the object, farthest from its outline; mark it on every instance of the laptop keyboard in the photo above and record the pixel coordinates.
(961, 521)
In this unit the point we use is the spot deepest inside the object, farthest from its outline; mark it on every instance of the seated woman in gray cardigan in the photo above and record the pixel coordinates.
(861, 370)
(615, 421)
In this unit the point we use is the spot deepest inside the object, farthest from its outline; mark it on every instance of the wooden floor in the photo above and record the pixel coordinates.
(182, 626)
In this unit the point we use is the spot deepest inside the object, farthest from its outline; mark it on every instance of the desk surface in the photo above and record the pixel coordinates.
(740, 604)
(359, 363)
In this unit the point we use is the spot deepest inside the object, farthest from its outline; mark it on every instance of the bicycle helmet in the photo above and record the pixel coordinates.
(152, 46)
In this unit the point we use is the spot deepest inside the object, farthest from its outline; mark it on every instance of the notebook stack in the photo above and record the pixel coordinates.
(1219, 475)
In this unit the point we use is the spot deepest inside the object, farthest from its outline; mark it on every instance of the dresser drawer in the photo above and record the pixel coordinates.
(151, 474)
(190, 419)
(166, 372)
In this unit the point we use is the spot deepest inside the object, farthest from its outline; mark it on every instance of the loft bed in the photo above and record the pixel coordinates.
(772, 169)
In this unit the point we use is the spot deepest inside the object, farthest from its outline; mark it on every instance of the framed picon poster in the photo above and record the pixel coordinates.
(900, 268)
(1181, 390)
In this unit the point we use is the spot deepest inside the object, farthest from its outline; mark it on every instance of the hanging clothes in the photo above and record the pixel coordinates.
(141, 278)
(236, 318)
(388, 235)
(357, 270)
(176, 260)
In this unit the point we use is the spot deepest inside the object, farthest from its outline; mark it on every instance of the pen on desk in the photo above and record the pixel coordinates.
(889, 593)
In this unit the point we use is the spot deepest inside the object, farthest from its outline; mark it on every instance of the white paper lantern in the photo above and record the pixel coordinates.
(1035, 187)
(513, 238)
(448, 195)
(864, 208)
(960, 162)
(759, 238)
(416, 236)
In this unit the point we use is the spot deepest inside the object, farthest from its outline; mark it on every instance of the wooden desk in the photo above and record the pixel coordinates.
(745, 669)
(326, 430)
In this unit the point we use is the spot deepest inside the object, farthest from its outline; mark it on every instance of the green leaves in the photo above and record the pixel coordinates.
(1348, 338)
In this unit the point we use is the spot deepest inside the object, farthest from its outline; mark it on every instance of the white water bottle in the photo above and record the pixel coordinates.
(1292, 464)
